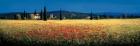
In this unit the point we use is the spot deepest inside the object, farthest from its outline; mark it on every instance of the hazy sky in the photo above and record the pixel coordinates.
(131, 6)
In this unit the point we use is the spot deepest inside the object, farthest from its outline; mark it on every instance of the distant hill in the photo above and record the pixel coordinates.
(69, 15)
(74, 15)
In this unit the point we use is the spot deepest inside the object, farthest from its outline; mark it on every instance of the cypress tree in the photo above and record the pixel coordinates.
(26, 15)
(41, 15)
(91, 16)
(45, 14)
(23, 16)
(15, 17)
(35, 12)
(61, 15)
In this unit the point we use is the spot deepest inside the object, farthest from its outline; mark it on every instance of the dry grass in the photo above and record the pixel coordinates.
(73, 32)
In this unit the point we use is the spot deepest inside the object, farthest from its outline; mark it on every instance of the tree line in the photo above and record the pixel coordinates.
(44, 16)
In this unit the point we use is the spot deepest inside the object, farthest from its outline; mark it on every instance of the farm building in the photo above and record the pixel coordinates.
(35, 16)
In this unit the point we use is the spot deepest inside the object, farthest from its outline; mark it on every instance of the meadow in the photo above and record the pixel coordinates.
(104, 32)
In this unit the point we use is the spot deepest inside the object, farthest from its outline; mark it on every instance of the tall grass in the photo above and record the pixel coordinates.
(111, 32)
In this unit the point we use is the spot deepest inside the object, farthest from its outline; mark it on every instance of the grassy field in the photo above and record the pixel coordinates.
(105, 32)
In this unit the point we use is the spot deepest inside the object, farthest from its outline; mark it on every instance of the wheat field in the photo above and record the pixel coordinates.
(105, 32)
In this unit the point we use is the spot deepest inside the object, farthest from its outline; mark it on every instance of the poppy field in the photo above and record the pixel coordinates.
(105, 32)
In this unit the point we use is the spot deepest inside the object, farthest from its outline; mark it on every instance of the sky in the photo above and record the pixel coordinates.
(125, 6)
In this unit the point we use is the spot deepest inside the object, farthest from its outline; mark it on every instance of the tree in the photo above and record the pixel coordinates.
(45, 14)
(26, 15)
(23, 16)
(91, 16)
(61, 18)
(15, 17)
(35, 12)
(41, 15)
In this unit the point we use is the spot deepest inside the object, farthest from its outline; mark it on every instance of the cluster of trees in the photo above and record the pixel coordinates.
(43, 15)
(26, 16)
(123, 16)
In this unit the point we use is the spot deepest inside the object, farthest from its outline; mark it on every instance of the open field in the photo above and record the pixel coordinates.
(106, 32)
